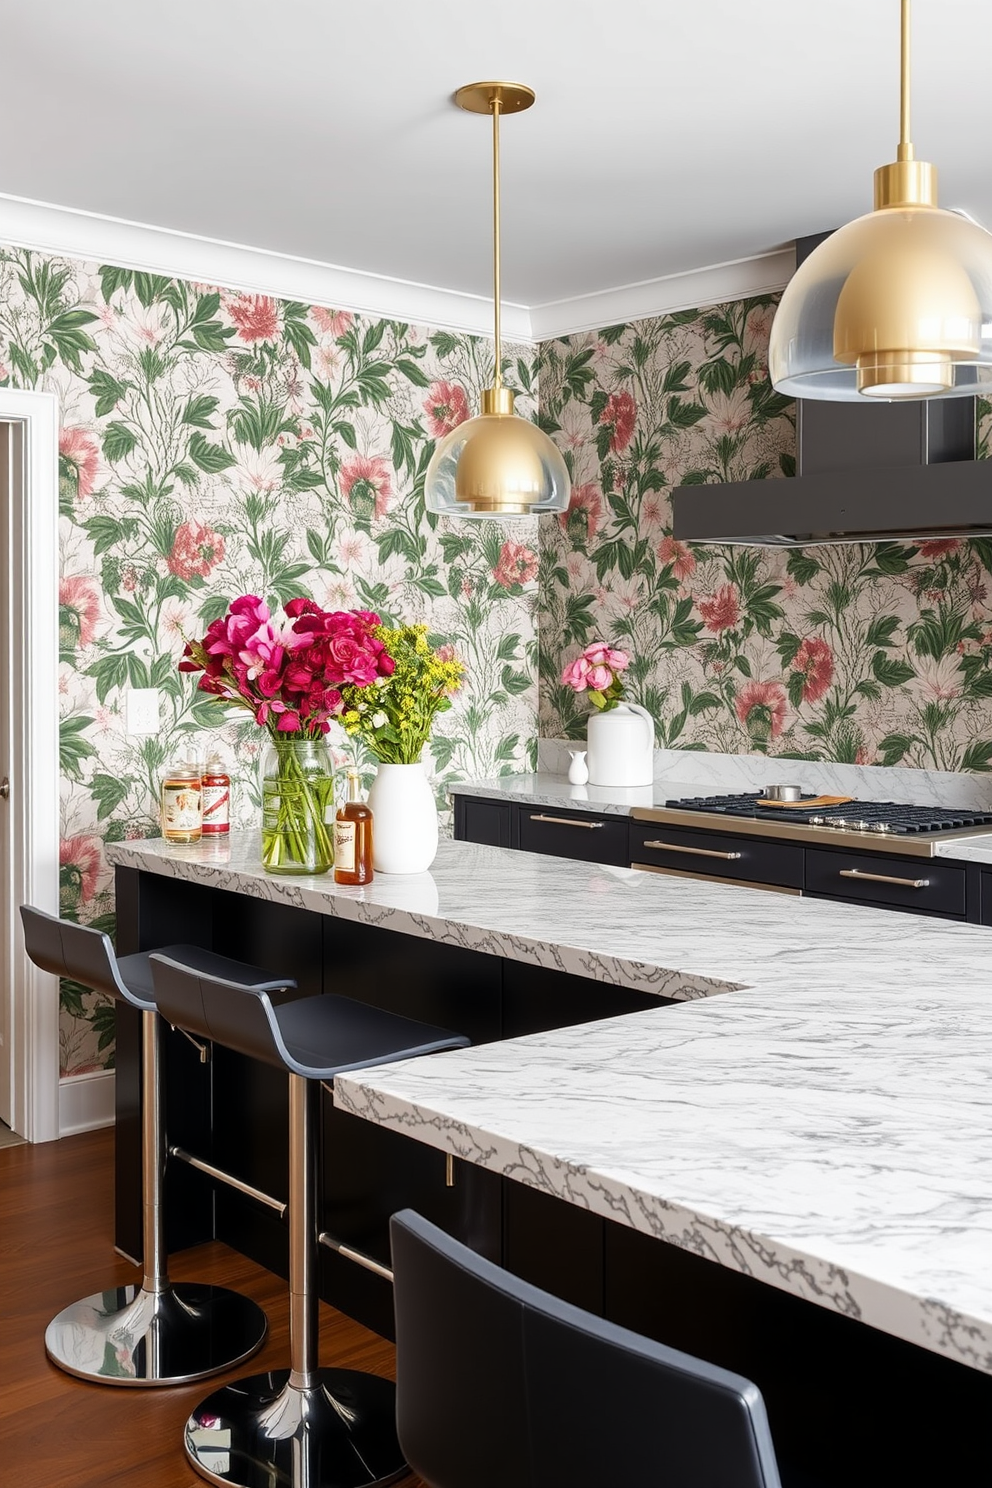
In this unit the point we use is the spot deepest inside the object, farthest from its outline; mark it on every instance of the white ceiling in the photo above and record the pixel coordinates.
(667, 135)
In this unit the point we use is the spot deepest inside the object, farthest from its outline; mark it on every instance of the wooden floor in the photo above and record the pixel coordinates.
(56, 1245)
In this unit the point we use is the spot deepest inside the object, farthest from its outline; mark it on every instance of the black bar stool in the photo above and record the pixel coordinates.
(500, 1384)
(158, 1333)
(305, 1426)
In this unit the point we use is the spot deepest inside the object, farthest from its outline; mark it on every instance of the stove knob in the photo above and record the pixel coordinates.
(859, 826)
(840, 822)
(880, 827)
(818, 821)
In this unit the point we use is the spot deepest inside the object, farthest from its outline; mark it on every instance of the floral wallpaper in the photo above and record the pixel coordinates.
(878, 654)
(214, 444)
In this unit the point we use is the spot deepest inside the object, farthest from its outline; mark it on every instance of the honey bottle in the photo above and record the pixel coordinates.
(182, 813)
(353, 837)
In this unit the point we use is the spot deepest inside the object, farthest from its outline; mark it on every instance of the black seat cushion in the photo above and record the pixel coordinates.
(325, 1036)
(136, 971)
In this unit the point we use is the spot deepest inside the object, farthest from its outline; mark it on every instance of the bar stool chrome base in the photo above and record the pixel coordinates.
(129, 1336)
(263, 1431)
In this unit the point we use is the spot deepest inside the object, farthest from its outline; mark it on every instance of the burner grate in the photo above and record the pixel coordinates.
(856, 816)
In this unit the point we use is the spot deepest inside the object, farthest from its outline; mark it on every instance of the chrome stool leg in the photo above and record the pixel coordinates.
(158, 1333)
(303, 1427)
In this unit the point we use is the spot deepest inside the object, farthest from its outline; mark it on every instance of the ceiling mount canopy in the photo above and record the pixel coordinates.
(498, 464)
(897, 304)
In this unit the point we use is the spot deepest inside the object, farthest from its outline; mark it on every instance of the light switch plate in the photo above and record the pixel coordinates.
(142, 714)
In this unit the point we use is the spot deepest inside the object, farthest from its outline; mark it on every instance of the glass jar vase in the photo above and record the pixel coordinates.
(297, 806)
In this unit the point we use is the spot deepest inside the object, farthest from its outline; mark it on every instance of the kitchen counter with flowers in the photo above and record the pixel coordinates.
(814, 1143)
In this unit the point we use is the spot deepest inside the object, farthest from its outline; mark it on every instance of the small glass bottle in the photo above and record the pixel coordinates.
(216, 790)
(353, 837)
(182, 814)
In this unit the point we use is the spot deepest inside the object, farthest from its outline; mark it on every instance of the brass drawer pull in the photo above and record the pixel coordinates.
(570, 821)
(696, 852)
(901, 883)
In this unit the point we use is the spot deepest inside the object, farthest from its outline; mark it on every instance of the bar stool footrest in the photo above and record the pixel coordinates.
(339, 1433)
(128, 1336)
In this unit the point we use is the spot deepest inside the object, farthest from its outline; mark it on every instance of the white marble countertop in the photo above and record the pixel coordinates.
(828, 1130)
(544, 789)
(675, 937)
(835, 1142)
(977, 849)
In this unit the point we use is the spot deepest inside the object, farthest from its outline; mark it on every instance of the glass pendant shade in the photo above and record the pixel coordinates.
(496, 465)
(897, 304)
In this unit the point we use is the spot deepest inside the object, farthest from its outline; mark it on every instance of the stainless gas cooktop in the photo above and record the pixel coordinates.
(879, 826)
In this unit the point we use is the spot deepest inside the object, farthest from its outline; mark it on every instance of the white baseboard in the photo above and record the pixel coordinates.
(86, 1102)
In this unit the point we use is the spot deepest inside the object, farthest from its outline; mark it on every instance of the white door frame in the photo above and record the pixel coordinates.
(29, 754)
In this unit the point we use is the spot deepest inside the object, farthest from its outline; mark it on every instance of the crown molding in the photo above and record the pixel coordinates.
(65, 231)
(713, 285)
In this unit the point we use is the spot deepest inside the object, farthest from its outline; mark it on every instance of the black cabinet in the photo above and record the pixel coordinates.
(574, 834)
(914, 885)
(984, 878)
(924, 885)
(490, 823)
(753, 860)
(233, 1110)
(837, 1391)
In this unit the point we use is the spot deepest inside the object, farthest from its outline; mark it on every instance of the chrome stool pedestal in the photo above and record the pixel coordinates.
(304, 1426)
(161, 1333)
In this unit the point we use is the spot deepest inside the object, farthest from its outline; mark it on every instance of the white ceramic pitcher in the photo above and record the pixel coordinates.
(621, 746)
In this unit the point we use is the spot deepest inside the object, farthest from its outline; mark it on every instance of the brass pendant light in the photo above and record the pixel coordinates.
(897, 304)
(498, 464)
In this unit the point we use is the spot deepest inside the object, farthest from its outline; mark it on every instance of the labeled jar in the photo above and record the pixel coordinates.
(216, 798)
(182, 804)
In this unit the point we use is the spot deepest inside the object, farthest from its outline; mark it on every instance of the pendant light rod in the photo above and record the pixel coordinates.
(498, 464)
(497, 337)
(496, 99)
(905, 151)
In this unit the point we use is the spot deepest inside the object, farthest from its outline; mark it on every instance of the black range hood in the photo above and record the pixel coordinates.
(865, 473)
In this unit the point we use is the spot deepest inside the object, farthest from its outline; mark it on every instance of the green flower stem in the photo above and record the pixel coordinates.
(299, 835)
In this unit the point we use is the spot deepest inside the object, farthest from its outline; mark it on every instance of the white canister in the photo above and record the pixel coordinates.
(621, 746)
(404, 819)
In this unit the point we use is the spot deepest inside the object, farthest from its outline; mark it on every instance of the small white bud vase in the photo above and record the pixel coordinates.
(578, 770)
(404, 819)
(621, 746)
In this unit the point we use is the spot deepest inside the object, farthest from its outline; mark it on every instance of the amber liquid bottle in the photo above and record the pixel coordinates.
(353, 838)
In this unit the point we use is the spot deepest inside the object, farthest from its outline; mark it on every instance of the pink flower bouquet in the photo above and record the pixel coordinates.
(293, 678)
(289, 676)
(598, 671)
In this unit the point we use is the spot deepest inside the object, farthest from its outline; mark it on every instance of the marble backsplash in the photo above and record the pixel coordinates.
(751, 772)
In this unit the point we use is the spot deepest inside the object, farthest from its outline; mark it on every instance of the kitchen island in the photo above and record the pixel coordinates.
(813, 1143)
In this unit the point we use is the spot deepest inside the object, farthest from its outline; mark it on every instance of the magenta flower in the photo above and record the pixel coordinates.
(290, 678)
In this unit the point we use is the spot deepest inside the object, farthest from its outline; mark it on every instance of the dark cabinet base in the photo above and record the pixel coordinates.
(847, 1404)
(232, 1111)
(911, 885)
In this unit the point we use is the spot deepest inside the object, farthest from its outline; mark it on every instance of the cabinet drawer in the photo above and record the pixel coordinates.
(487, 822)
(717, 854)
(926, 884)
(575, 834)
